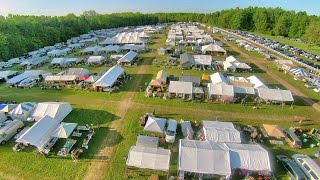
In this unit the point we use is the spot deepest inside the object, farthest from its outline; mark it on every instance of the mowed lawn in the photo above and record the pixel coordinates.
(100, 109)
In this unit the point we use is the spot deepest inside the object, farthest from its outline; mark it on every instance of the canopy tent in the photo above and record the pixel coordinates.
(22, 111)
(27, 74)
(155, 124)
(112, 48)
(56, 110)
(256, 82)
(217, 131)
(64, 61)
(95, 59)
(299, 72)
(6, 74)
(186, 60)
(204, 157)
(110, 77)
(218, 78)
(64, 130)
(203, 60)
(77, 72)
(134, 47)
(147, 141)
(194, 79)
(3, 117)
(92, 79)
(149, 158)
(156, 83)
(39, 134)
(275, 95)
(220, 90)
(249, 157)
(239, 81)
(273, 131)
(7, 107)
(243, 90)
(180, 87)
(62, 78)
(213, 48)
(128, 58)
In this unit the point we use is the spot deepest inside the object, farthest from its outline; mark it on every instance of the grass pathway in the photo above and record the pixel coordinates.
(98, 165)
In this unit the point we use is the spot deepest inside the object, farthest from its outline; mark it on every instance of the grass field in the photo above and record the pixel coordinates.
(103, 109)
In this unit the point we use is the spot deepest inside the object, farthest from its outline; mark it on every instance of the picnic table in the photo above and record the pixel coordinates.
(76, 134)
(83, 128)
(87, 140)
(276, 142)
(67, 147)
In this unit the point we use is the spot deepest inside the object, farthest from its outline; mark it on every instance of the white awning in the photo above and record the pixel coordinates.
(64, 130)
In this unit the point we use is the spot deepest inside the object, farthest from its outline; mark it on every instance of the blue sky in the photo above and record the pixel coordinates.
(63, 7)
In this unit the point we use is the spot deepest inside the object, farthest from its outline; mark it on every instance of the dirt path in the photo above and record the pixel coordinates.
(294, 90)
(98, 165)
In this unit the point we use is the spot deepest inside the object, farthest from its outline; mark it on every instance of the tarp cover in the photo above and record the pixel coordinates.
(273, 131)
(149, 158)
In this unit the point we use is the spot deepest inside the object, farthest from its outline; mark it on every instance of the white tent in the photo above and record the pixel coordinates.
(56, 110)
(212, 48)
(64, 130)
(128, 58)
(204, 157)
(5, 74)
(33, 74)
(249, 157)
(217, 131)
(186, 129)
(95, 59)
(299, 72)
(218, 78)
(256, 82)
(203, 60)
(147, 141)
(7, 107)
(22, 111)
(220, 90)
(243, 90)
(180, 87)
(40, 133)
(149, 158)
(3, 117)
(110, 77)
(275, 95)
(155, 124)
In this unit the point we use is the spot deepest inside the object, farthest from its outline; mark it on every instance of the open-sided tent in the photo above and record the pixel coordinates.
(149, 158)
(155, 124)
(203, 157)
(275, 95)
(256, 82)
(223, 92)
(64, 130)
(128, 58)
(147, 141)
(218, 78)
(273, 131)
(39, 134)
(249, 157)
(33, 74)
(213, 49)
(204, 60)
(22, 111)
(110, 77)
(95, 59)
(6, 74)
(3, 117)
(180, 87)
(56, 110)
(7, 107)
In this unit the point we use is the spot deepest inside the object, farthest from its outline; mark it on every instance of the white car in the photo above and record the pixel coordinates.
(171, 131)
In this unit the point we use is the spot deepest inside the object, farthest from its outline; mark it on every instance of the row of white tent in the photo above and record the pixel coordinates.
(136, 37)
(113, 48)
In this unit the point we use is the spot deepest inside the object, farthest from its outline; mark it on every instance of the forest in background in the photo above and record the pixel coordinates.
(21, 34)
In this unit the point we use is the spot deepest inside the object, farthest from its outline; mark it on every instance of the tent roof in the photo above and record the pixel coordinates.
(92, 79)
(110, 77)
(249, 157)
(203, 59)
(218, 78)
(194, 79)
(22, 108)
(217, 124)
(213, 47)
(256, 82)
(155, 124)
(273, 131)
(186, 58)
(220, 89)
(275, 95)
(128, 57)
(39, 134)
(162, 75)
(180, 87)
(7, 107)
(93, 59)
(217, 131)
(155, 83)
(5, 74)
(25, 75)
(3, 117)
(64, 130)
(56, 110)
(147, 141)
(77, 72)
(243, 90)
(204, 157)
(149, 158)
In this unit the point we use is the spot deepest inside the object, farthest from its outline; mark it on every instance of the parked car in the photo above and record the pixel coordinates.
(308, 166)
(171, 131)
(292, 168)
(10, 130)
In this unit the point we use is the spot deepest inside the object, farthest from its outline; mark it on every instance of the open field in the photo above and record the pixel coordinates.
(118, 114)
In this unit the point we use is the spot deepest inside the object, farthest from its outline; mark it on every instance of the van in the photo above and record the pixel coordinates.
(292, 139)
(171, 131)
(308, 166)
(292, 168)
(10, 130)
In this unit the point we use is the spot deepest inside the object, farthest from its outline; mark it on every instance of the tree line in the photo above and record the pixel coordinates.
(21, 34)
